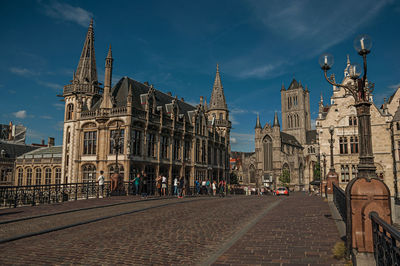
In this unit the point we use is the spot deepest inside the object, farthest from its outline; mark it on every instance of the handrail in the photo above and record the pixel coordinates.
(339, 198)
(385, 240)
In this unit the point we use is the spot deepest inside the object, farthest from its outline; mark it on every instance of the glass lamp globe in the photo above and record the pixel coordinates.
(354, 71)
(363, 44)
(331, 128)
(326, 61)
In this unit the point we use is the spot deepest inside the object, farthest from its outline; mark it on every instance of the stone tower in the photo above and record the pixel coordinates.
(217, 109)
(295, 102)
(79, 96)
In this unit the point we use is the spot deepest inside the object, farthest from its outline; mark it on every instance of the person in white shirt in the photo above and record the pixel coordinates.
(176, 186)
(101, 183)
(163, 185)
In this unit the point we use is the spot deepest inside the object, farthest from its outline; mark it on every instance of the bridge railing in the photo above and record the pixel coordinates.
(386, 241)
(339, 198)
(13, 196)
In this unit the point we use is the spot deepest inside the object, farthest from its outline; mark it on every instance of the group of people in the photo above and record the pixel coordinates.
(206, 187)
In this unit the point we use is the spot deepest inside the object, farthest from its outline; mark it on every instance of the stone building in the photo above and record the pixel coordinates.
(159, 133)
(39, 167)
(341, 114)
(9, 151)
(291, 148)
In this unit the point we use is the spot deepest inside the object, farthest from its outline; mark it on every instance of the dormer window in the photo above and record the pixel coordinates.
(70, 111)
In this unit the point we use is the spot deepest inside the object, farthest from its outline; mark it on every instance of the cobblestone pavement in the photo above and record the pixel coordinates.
(300, 231)
(258, 230)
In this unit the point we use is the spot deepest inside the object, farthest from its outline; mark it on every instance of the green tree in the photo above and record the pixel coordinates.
(285, 177)
(233, 178)
(317, 171)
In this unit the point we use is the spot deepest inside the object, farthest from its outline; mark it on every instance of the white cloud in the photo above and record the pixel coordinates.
(33, 134)
(395, 86)
(23, 71)
(233, 120)
(20, 114)
(59, 10)
(50, 84)
(268, 70)
(46, 117)
(59, 106)
(233, 140)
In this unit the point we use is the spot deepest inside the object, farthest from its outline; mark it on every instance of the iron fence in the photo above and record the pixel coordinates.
(386, 241)
(13, 196)
(339, 198)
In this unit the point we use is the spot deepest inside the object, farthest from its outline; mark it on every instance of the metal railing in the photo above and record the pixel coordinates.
(386, 241)
(339, 198)
(13, 196)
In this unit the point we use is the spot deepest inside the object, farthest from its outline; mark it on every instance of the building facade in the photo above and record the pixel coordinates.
(158, 134)
(39, 167)
(291, 149)
(341, 114)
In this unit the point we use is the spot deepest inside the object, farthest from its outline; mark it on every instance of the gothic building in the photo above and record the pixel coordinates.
(341, 114)
(158, 133)
(291, 148)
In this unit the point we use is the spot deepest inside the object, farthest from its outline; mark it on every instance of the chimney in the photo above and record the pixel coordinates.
(169, 93)
(201, 99)
(42, 142)
(182, 99)
(146, 83)
(50, 142)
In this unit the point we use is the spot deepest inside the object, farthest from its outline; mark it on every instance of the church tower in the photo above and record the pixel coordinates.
(79, 95)
(295, 102)
(217, 109)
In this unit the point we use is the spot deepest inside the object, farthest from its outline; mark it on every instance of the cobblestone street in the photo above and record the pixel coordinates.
(193, 231)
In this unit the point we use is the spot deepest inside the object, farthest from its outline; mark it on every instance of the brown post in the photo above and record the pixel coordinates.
(332, 176)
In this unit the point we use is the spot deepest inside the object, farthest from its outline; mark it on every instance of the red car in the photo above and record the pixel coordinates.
(282, 191)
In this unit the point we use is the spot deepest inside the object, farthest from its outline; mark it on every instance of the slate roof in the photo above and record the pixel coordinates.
(14, 150)
(120, 94)
(55, 151)
(289, 139)
(311, 136)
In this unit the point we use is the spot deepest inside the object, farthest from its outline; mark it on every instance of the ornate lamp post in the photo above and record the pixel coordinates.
(366, 192)
(116, 178)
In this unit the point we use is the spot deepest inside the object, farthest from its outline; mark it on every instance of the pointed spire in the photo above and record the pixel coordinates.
(348, 60)
(86, 70)
(258, 124)
(109, 55)
(217, 100)
(205, 103)
(347, 69)
(322, 99)
(107, 103)
(276, 120)
(283, 87)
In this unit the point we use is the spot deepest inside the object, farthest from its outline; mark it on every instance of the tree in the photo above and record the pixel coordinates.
(285, 177)
(317, 171)
(233, 178)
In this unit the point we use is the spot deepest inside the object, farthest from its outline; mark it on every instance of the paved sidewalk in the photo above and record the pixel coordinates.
(299, 231)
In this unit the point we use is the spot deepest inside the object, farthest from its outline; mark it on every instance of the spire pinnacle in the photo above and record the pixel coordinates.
(217, 100)
(258, 124)
(276, 120)
(86, 71)
(109, 55)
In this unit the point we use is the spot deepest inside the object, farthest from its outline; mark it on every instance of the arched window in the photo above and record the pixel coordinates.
(89, 173)
(29, 176)
(38, 176)
(20, 176)
(58, 175)
(301, 174)
(252, 174)
(267, 146)
(70, 111)
(47, 176)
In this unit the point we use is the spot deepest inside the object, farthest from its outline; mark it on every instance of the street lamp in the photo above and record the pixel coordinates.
(365, 193)
(331, 141)
(324, 155)
(117, 146)
(360, 89)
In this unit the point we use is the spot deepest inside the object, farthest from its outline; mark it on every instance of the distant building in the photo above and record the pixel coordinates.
(41, 166)
(13, 133)
(159, 133)
(290, 149)
(8, 153)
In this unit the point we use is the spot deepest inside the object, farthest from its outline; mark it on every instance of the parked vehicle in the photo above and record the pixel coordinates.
(282, 191)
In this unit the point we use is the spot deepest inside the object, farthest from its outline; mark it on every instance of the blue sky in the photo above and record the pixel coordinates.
(175, 45)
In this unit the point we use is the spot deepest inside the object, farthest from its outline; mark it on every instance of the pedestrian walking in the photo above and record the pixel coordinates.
(214, 188)
(163, 185)
(197, 184)
(158, 185)
(208, 186)
(203, 187)
(101, 183)
(181, 186)
(175, 186)
(136, 182)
